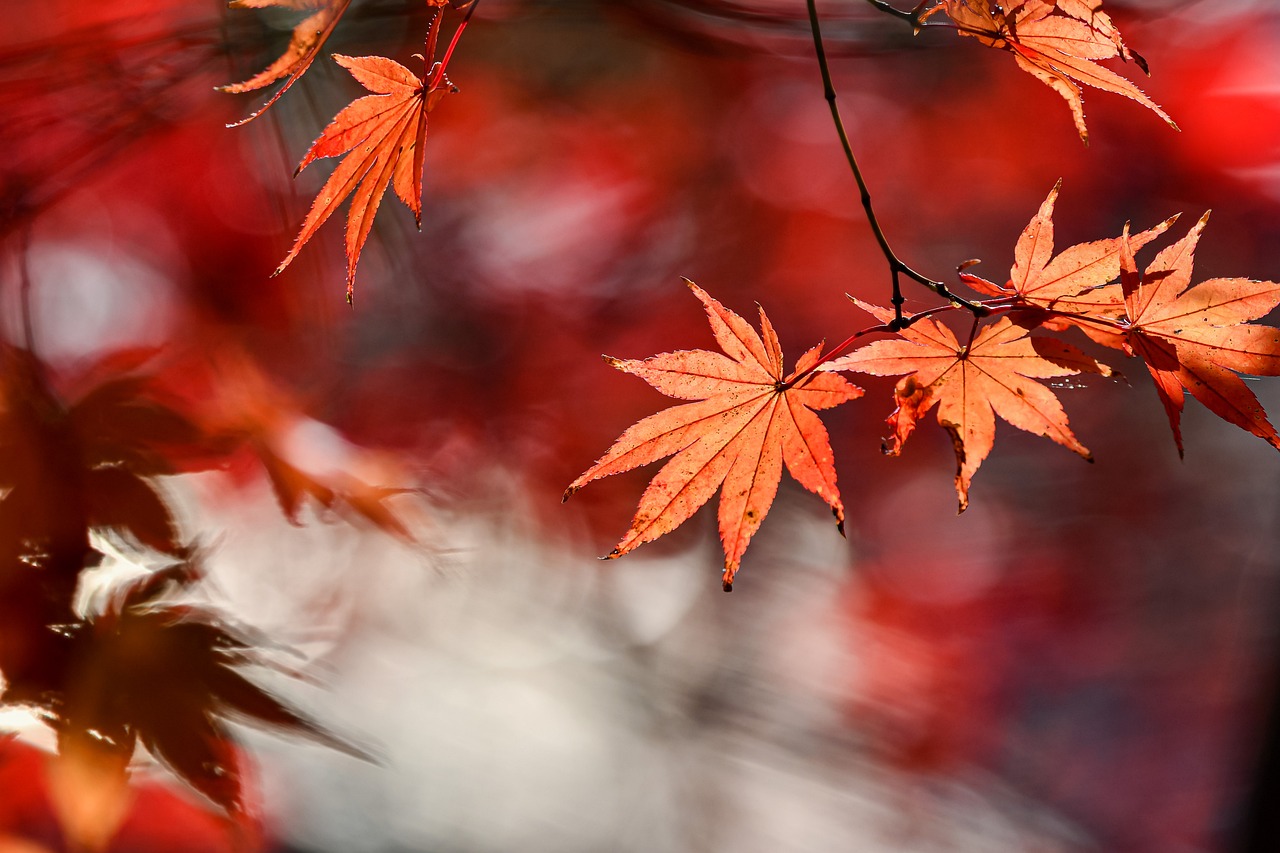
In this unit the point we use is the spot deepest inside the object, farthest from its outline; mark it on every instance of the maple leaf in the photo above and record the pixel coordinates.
(385, 134)
(304, 45)
(152, 671)
(1080, 280)
(1059, 50)
(246, 408)
(971, 384)
(747, 421)
(1090, 12)
(1198, 338)
(68, 468)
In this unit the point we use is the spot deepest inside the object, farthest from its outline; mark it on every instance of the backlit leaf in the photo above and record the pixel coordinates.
(971, 384)
(1058, 43)
(304, 45)
(748, 420)
(382, 136)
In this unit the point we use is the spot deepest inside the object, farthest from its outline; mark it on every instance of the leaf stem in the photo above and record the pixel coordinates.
(897, 267)
(888, 328)
(1097, 321)
(834, 353)
(453, 42)
(430, 66)
(1013, 304)
(844, 345)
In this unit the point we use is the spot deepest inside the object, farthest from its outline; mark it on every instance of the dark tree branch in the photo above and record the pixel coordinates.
(915, 17)
(897, 268)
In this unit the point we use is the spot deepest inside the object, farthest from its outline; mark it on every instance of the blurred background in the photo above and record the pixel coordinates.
(1083, 661)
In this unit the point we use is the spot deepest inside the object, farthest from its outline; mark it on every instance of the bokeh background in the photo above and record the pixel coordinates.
(1083, 661)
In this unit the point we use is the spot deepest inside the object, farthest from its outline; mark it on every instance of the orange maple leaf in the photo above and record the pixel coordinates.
(1090, 12)
(304, 45)
(748, 420)
(1079, 280)
(1197, 338)
(971, 384)
(385, 133)
(1059, 50)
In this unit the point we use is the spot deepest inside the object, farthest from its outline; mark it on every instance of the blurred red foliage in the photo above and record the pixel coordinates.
(596, 154)
(157, 818)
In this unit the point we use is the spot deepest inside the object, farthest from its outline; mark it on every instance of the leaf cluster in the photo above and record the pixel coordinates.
(1190, 338)
(81, 480)
(1196, 339)
(382, 135)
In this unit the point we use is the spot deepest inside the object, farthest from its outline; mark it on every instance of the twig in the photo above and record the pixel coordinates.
(24, 287)
(914, 17)
(896, 266)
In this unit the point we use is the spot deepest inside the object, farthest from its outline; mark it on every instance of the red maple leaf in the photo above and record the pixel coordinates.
(971, 384)
(66, 467)
(1198, 338)
(84, 795)
(1078, 280)
(385, 134)
(1057, 43)
(304, 45)
(749, 418)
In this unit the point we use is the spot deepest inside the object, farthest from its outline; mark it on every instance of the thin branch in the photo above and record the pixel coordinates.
(915, 17)
(24, 288)
(835, 353)
(897, 267)
(840, 348)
